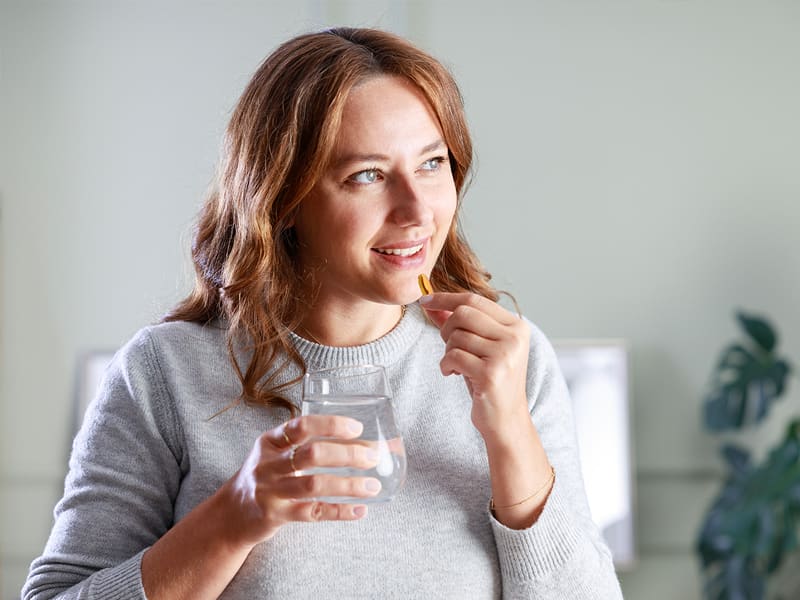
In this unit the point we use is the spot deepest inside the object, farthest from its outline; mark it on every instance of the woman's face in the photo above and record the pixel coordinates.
(379, 215)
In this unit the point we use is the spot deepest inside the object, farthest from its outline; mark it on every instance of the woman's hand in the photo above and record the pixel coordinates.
(198, 557)
(489, 346)
(267, 492)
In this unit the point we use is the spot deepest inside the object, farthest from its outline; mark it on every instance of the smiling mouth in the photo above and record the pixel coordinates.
(400, 251)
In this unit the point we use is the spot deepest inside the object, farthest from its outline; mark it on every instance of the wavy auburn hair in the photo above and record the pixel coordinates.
(277, 146)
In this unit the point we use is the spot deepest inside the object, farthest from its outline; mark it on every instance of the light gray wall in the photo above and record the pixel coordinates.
(637, 177)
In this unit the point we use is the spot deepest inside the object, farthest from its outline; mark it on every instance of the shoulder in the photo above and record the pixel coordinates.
(176, 338)
(149, 363)
(542, 351)
(183, 333)
(545, 379)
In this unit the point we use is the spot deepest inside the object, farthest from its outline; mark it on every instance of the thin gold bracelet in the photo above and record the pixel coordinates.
(493, 506)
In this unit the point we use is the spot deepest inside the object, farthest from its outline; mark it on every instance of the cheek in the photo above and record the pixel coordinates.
(445, 210)
(355, 227)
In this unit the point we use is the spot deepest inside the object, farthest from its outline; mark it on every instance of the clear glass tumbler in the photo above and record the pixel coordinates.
(360, 392)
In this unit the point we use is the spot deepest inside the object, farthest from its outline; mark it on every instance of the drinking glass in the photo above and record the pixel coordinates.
(360, 392)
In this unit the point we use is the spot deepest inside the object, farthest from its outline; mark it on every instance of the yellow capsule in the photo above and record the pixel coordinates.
(424, 284)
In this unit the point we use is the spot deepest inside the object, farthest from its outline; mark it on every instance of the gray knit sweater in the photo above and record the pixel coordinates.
(148, 453)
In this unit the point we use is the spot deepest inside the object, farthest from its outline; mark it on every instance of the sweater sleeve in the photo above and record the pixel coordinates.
(561, 556)
(124, 474)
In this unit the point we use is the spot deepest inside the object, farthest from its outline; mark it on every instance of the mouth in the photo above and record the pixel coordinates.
(405, 252)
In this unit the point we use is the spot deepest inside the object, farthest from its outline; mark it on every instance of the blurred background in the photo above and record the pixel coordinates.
(638, 177)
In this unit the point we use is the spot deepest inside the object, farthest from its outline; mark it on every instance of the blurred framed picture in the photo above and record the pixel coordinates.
(596, 372)
(91, 368)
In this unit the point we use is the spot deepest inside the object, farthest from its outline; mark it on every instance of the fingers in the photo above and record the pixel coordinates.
(323, 511)
(299, 430)
(478, 325)
(461, 362)
(477, 345)
(438, 317)
(276, 483)
(486, 344)
(289, 462)
(331, 453)
(447, 302)
(324, 485)
(468, 319)
(452, 312)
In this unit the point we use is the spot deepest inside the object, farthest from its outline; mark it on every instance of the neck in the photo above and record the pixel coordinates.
(350, 327)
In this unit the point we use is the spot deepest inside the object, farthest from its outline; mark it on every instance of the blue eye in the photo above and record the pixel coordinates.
(433, 164)
(365, 177)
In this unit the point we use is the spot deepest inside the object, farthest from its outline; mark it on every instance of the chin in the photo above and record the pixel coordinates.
(401, 299)
(412, 298)
(401, 291)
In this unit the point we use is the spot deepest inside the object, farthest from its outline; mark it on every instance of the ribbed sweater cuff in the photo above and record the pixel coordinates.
(543, 548)
(123, 582)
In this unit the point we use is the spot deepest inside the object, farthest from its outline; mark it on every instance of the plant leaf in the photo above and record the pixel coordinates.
(743, 388)
(759, 330)
(751, 526)
(738, 458)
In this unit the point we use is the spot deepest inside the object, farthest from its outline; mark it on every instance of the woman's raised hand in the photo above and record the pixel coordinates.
(268, 492)
(489, 346)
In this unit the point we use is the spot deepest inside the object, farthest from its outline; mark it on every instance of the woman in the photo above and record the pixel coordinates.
(339, 185)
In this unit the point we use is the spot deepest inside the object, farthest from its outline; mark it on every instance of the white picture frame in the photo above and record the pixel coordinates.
(91, 368)
(596, 372)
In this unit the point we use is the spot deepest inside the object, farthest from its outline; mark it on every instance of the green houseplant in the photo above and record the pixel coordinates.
(752, 523)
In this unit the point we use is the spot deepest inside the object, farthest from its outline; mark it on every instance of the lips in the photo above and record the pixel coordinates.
(408, 251)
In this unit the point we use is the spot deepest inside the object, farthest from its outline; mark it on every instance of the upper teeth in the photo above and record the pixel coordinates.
(401, 251)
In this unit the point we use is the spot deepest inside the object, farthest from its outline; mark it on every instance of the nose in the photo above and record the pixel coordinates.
(411, 205)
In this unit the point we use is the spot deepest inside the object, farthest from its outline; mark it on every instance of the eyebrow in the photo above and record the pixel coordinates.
(356, 157)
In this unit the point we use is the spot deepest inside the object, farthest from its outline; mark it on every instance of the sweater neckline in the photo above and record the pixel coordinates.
(386, 350)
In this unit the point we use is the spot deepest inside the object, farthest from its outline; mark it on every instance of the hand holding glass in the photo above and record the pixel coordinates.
(360, 392)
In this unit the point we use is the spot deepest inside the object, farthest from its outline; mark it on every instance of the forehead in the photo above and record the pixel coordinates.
(386, 111)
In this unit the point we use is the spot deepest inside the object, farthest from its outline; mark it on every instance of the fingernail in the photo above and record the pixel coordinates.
(371, 455)
(359, 511)
(425, 299)
(372, 485)
(354, 427)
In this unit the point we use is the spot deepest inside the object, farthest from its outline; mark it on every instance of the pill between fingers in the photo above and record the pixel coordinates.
(424, 284)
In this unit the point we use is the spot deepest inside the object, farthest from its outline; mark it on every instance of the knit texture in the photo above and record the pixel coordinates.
(148, 452)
